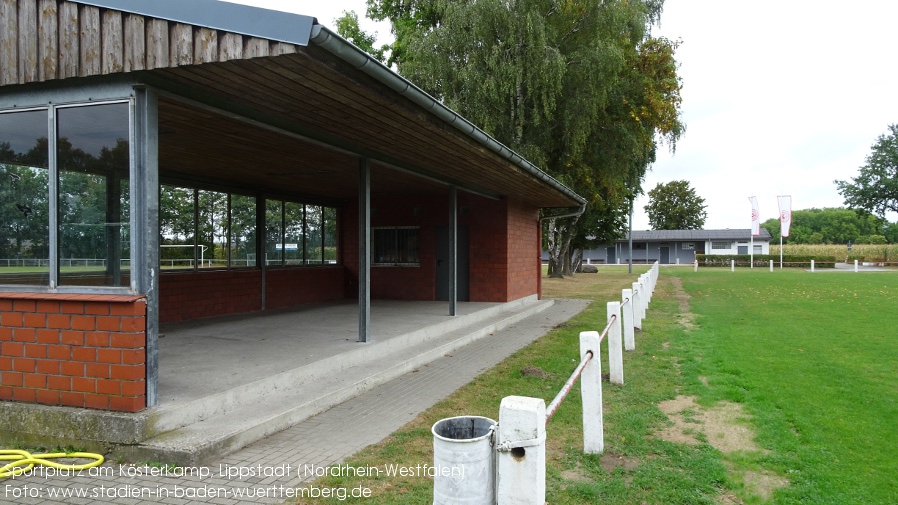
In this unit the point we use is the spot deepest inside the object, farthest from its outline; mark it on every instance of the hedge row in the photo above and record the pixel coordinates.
(763, 260)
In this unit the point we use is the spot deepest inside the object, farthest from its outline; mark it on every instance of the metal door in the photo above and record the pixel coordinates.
(461, 258)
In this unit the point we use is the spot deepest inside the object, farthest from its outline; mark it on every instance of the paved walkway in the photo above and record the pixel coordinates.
(269, 470)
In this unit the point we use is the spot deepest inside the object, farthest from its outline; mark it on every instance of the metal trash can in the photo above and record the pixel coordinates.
(464, 461)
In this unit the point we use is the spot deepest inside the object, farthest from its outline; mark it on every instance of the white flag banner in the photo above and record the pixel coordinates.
(755, 217)
(785, 214)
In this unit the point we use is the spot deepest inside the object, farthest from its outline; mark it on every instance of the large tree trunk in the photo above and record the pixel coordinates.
(555, 258)
(559, 238)
(577, 260)
(568, 235)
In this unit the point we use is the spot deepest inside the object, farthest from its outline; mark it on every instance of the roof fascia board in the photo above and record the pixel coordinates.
(236, 18)
(360, 60)
(70, 91)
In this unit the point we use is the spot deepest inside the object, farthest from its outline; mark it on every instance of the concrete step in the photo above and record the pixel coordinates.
(165, 418)
(211, 428)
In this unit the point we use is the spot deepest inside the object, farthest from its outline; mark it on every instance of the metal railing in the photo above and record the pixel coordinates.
(556, 402)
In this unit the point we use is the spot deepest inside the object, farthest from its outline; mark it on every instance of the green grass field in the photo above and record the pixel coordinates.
(810, 358)
(813, 358)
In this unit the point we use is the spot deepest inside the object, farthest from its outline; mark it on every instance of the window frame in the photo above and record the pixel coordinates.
(53, 193)
(416, 263)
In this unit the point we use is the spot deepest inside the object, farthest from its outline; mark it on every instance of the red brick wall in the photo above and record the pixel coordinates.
(286, 287)
(397, 283)
(192, 295)
(523, 250)
(73, 350)
(503, 247)
(488, 251)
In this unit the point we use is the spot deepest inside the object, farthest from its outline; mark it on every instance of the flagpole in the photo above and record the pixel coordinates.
(781, 248)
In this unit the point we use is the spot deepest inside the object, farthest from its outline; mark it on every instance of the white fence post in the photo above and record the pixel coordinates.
(812, 266)
(615, 346)
(855, 265)
(637, 303)
(591, 392)
(521, 454)
(642, 301)
(771, 265)
(695, 266)
(627, 319)
(732, 265)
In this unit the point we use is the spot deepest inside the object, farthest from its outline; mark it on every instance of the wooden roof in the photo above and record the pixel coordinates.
(259, 113)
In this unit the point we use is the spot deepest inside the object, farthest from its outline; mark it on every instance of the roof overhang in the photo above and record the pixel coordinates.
(274, 101)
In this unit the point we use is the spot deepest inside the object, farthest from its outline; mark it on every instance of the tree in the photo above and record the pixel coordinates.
(676, 206)
(830, 226)
(577, 87)
(348, 28)
(875, 189)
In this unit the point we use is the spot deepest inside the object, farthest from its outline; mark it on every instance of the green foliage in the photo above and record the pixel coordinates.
(875, 189)
(763, 260)
(676, 206)
(831, 226)
(348, 28)
(578, 87)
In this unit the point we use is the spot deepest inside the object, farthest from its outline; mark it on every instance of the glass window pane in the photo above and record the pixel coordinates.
(293, 233)
(212, 228)
(330, 235)
(93, 162)
(395, 246)
(176, 227)
(24, 193)
(274, 240)
(314, 230)
(243, 231)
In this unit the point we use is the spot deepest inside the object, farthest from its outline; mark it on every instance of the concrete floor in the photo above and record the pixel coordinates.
(203, 357)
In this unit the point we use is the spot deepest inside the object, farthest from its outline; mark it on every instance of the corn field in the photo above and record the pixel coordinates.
(873, 253)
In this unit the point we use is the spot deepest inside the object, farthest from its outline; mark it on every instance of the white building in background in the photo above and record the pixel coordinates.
(679, 246)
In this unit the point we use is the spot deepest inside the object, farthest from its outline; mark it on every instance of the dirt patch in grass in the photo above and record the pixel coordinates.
(721, 425)
(610, 461)
(686, 318)
(576, 475)
(729, 499)
(535, 371)
(764, 483)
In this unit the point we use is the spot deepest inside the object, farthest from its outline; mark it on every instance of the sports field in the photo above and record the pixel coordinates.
(813, 358)
(745, 388)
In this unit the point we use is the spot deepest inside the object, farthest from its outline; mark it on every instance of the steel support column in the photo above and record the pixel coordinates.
(145, 222)
(261, 240)
(364, 250)
(53, 204)
(453, 250)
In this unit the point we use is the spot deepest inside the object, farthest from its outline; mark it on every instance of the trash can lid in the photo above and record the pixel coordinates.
(463, 428)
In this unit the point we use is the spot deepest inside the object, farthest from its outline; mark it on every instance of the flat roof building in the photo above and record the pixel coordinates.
(164, 161)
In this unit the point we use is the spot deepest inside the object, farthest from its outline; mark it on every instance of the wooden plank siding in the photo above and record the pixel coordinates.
(9, 43)
(28, 40)
(43, 40)
(113, 52)
(48, 40)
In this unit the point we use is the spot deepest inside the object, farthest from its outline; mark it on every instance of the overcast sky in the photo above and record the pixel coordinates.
(780, 97)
